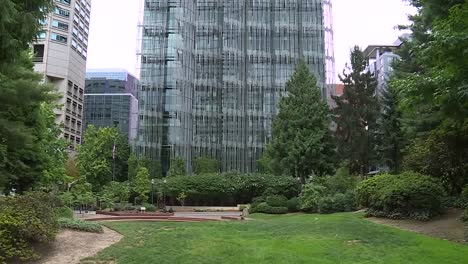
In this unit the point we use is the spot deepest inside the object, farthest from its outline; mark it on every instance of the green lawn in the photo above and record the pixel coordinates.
(337, 238)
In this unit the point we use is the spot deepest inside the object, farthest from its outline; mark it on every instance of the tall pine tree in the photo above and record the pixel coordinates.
(389, 136)
(355, 114)
(301, 143)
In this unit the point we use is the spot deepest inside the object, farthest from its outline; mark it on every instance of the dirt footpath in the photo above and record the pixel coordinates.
(448, 226)
(71, 246)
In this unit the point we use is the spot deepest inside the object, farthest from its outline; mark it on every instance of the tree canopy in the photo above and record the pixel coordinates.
(95, 156)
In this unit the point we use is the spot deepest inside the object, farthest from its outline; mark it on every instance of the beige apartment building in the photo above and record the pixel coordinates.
(60, 54)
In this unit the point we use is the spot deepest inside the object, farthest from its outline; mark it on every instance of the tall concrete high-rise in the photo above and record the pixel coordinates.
(60, 54)
(111, 100)
(213, 72)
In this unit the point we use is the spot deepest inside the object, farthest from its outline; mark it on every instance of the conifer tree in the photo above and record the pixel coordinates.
(355, 114)
(301, 144)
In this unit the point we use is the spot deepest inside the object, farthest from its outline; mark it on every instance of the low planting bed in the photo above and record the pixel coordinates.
(133, 213)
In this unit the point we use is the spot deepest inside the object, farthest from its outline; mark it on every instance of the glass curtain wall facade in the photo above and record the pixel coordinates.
(237, 57)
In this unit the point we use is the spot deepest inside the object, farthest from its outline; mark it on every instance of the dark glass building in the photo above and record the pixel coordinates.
(111, 100)
(213, 72)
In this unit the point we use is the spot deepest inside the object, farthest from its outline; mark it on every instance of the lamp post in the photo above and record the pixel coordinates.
(164, 193)
(152, 191)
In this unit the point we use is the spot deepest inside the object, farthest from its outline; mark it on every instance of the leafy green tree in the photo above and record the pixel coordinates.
(72, 169)
(431, 83)
(355, 114)
(141, 184)
(82, 193)
(52, 148)
(95, 156)
(115, 192)
(389, 135)
(301, 143)
(205, 165)
(132, 166)
(153, 166)
(177, 168)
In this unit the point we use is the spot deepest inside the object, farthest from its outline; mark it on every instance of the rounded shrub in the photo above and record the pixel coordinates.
(262, 207)
(26, 220)
(326, 205)
(277, 201)
(310, 196)
(351, 202)
(340, 203)
(407, 195)
(293, 205)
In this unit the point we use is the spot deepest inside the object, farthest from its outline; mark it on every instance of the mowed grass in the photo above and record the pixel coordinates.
(336, 238)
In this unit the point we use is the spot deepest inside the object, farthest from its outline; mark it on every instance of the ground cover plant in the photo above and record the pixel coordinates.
(299, 238)
(80, 225)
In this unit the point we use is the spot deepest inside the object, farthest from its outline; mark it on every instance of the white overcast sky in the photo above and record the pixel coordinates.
(113, 29)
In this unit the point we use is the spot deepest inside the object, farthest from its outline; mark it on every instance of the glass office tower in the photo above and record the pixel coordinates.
(213, 72)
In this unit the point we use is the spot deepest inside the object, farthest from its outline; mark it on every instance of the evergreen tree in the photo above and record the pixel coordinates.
(301, 144)
(25, 137)
(389, 136)
(355, 114)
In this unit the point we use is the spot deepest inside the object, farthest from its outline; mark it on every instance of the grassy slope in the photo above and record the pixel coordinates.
(337, 238)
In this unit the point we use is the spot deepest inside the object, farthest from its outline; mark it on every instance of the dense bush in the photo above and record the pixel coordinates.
(464, 198)
(80, 225)
(326, 205)
(408, 195)
(226, 189)
(293, 205)
(65, 212)
(329, 194)
(150, 207)
(277, 201)
(310, 197)
(24, 220)
(263, 207)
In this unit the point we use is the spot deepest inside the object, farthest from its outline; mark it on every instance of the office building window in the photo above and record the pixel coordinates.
(58, 38)
(38, 53)
(74, 44)
(75, 31)
(76, 19)
(60, 25)
(61, 12)
(41, 35)
(66, 2)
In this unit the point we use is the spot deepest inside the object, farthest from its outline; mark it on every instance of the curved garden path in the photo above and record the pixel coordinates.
(72, 246)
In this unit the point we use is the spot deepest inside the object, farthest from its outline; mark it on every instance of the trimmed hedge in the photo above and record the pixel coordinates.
(407, 195)
(80, 225)
(225, 189)
(277, 201)
(267, 209)
(25, 220)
